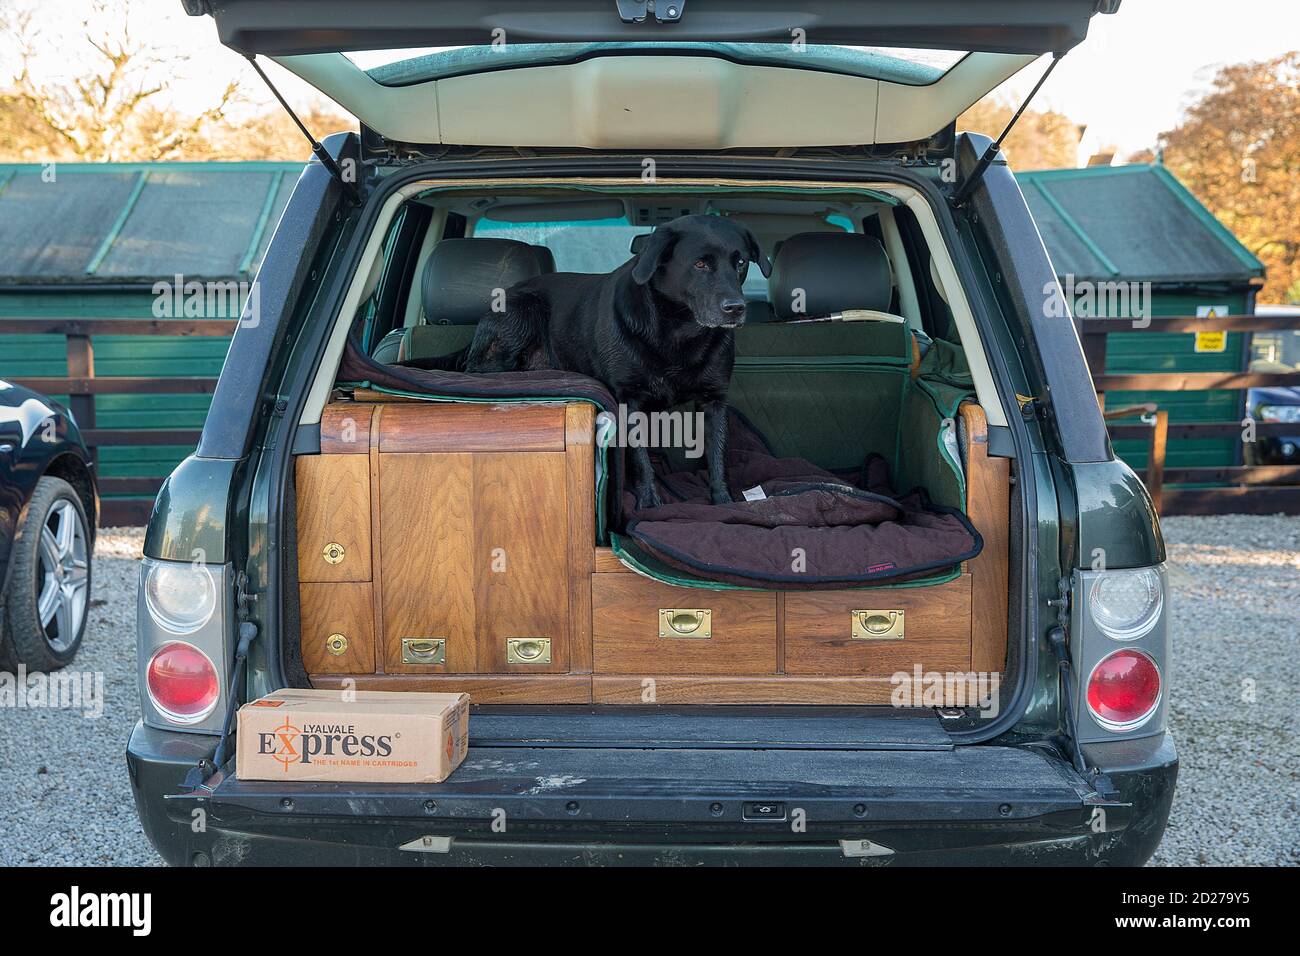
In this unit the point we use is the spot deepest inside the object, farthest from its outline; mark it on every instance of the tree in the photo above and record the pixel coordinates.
(1039, 140)
(109, 111)
(1238, 150)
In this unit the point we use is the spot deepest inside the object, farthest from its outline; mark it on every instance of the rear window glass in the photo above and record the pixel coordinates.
(589, 245)
(894, 64)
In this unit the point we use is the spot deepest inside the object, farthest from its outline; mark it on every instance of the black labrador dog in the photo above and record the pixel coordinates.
(658, 330)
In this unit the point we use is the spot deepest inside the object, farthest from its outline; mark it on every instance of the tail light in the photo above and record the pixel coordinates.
(182, 682)
(1124, 690)
(184, 611)
(1119, 642)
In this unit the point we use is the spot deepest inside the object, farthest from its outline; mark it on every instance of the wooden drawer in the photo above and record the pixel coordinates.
(936, 624)
(627, 639)
(337, 628)
(333, 514)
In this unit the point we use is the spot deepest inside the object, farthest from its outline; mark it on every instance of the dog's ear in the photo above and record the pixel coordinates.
(653, 252)
(756, 255)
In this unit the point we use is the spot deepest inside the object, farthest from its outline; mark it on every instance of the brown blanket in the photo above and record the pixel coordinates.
(793, 525)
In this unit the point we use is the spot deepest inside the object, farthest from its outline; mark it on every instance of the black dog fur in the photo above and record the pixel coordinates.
(657, 331)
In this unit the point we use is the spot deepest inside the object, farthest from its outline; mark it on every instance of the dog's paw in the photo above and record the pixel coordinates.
(647, 498)
(721, 496)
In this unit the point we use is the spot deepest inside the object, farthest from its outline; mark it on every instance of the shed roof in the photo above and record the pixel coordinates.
(1137, 223)
(97, 223)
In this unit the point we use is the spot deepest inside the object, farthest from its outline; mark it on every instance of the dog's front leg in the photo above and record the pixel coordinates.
(715, 438)
(643, 473)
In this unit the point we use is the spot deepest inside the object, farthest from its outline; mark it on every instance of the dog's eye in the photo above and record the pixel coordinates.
(701, 264)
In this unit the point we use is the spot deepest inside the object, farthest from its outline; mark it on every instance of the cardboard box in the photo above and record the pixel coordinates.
(374, 737)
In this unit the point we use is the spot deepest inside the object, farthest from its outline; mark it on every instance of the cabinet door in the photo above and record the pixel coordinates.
(521, 562)
(426, 546)
(333, 515)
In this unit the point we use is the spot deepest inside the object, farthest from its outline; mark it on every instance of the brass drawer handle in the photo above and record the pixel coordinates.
(336, 644)
(333, 553)
(695, 623)
(878, 625)
(528, 650)
(424, 650)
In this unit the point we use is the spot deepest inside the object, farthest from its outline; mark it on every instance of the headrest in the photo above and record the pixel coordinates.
(545, 259)
(461, 275)
(836, 271)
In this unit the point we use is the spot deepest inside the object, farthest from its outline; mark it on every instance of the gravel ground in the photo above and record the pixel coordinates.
(64, 797)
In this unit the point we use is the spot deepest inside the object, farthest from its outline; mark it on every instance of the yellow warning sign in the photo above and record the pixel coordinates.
(1211, 341)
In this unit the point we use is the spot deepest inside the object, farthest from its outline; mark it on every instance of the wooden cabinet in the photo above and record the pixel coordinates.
(452, 547)
(458, 520)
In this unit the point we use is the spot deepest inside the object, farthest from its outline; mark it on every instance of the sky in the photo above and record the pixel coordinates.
(1131, 79)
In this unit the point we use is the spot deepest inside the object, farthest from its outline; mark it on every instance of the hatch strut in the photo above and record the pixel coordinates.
(973, 180)
(319, 151)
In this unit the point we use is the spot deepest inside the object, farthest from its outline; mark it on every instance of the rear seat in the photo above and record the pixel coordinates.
(457, 290)
(825, 380)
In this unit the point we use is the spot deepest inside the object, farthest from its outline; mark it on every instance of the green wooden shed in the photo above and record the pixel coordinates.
(122, 241)
(1138, 224)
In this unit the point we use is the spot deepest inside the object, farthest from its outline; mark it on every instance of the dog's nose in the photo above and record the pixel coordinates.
(733, 308)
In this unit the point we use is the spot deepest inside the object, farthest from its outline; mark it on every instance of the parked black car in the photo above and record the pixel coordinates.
(48, 508)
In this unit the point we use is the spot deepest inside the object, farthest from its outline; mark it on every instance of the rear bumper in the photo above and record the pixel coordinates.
(978, 805)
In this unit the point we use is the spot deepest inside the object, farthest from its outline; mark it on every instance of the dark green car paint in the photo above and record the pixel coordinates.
(1071, 508)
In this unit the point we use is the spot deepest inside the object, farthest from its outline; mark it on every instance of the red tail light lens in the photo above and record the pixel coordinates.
(182, 682)
(1124, 690)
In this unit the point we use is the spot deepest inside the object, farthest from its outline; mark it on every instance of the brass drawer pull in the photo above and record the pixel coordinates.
(334, 553)
(336, 644)
(695, 623)
(528, 650)
(878, 625)
(424, 650)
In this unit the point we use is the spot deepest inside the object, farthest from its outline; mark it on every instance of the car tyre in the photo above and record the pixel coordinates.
(48, 599)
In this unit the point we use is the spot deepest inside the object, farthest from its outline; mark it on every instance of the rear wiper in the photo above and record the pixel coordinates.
(976, 174)
(319, 151)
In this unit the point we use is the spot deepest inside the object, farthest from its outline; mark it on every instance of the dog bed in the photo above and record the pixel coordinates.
(793, 525)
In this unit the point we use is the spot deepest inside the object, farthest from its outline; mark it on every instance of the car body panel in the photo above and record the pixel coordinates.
(35, 433)
(571, 73)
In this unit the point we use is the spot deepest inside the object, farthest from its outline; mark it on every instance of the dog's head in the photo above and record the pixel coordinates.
(700, 262)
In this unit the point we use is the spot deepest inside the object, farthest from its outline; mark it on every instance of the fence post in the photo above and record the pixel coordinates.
(1156, 457)
(81, 364)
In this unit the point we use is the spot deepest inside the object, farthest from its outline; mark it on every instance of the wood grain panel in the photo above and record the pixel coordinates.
(345, 609)
(333, 506)
(676, 689)
(482, 688)
(625, 629)
(988, 505)
(428, 558)
(605, 562)
(345, 428)
(580, 469)
(937, 630)
(521, 584)
(445, 427)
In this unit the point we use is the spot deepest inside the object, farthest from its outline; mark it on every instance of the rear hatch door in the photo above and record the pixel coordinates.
(702, 74)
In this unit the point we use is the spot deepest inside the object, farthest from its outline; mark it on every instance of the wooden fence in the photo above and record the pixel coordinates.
(1259, 489)
(125, 501)
(1252, 489)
